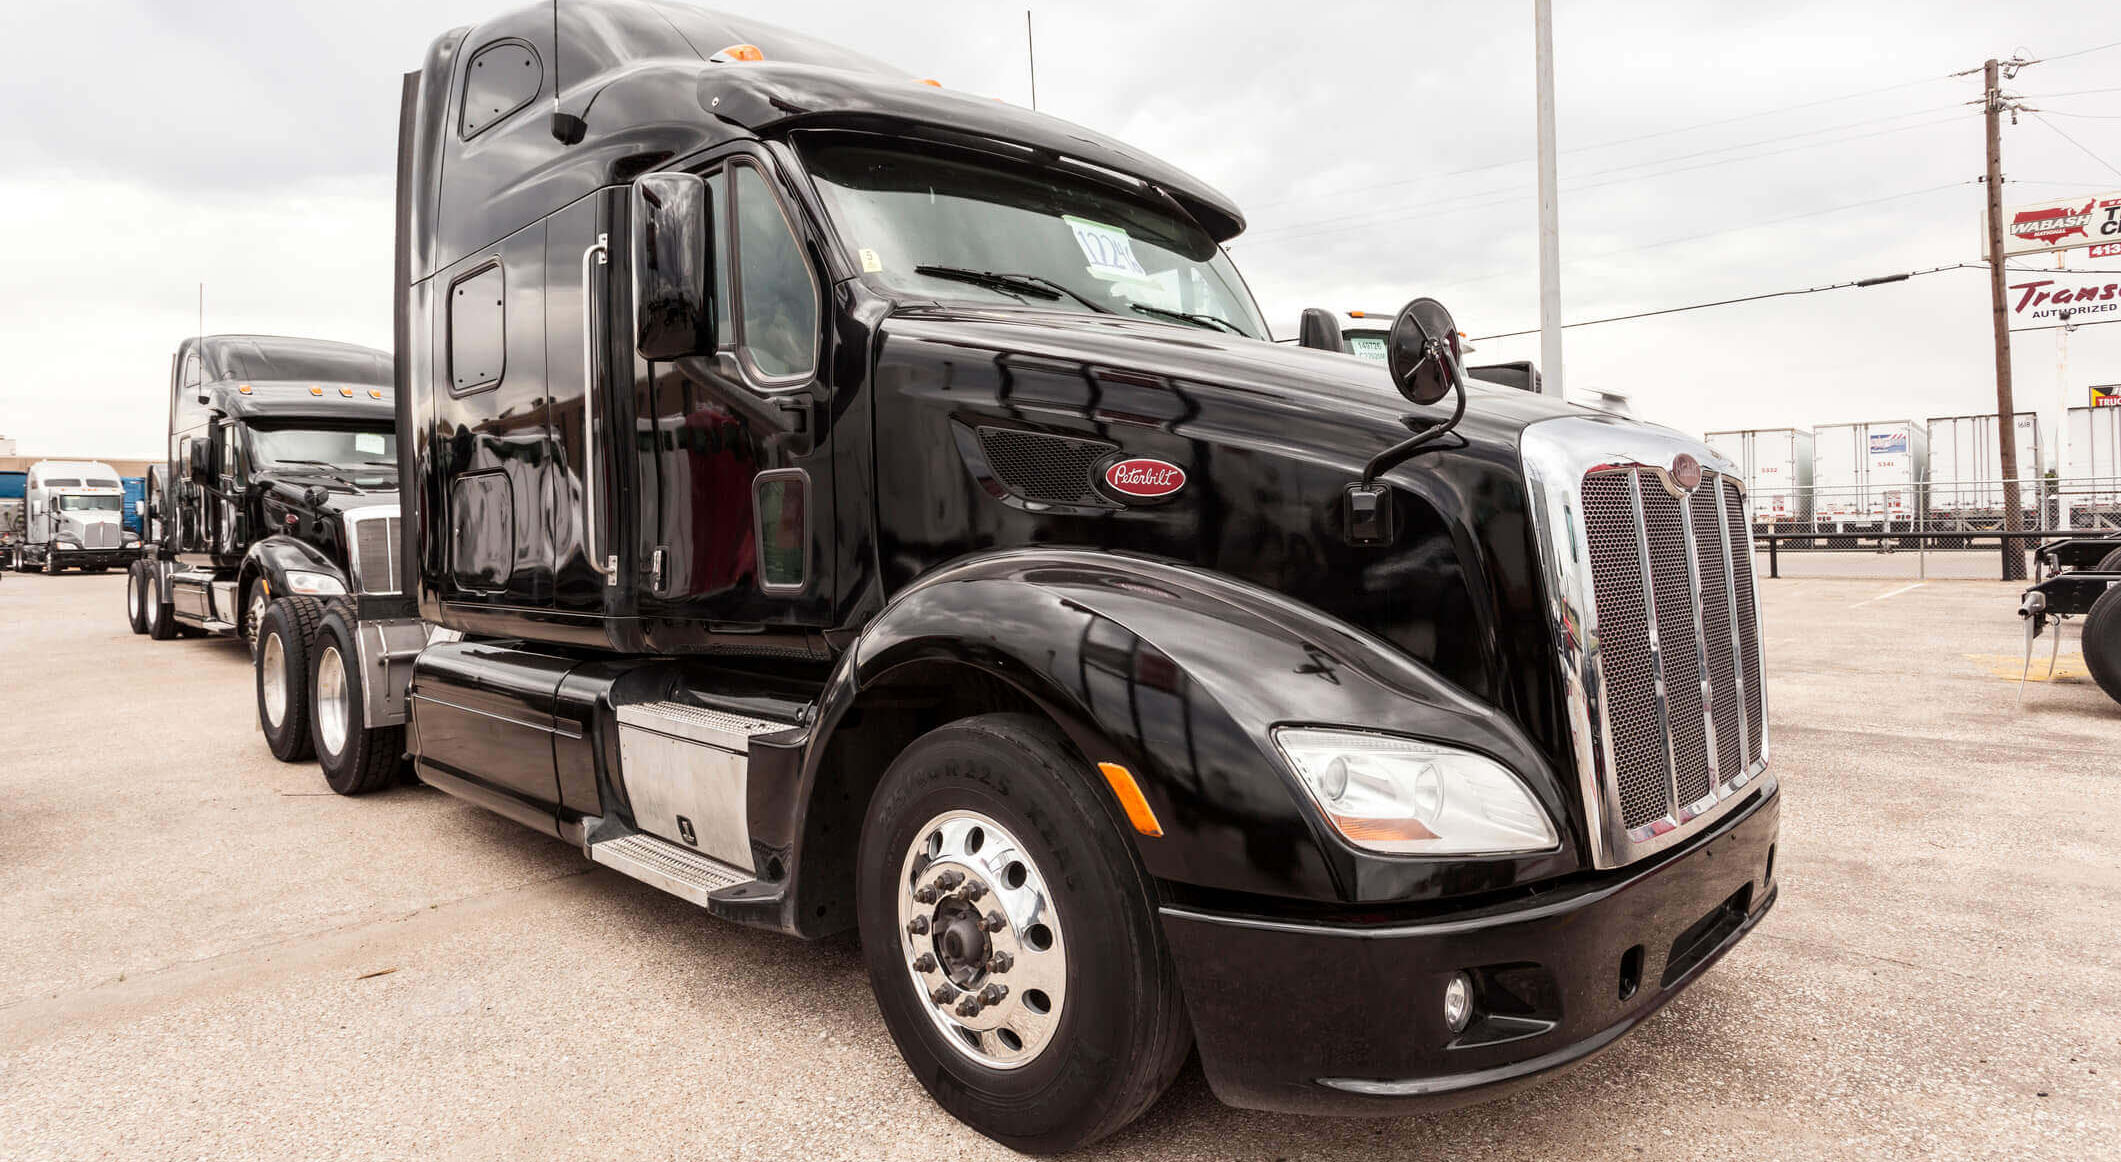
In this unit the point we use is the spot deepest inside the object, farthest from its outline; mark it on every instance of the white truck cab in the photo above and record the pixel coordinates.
(74, 518)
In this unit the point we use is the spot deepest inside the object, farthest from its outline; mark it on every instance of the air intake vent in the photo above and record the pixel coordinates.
(1049, 469)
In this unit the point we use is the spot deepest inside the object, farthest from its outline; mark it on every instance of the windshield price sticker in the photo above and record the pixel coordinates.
(1108, 250)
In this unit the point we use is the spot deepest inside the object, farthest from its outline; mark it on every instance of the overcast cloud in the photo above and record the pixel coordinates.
(1382, 150)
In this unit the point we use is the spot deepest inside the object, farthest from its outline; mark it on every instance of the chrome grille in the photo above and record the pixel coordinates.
(375, 550)
(1652, 599)
(100, 535)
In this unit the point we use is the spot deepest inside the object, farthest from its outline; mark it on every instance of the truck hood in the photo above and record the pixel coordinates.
(341, 491)
(1348, 406)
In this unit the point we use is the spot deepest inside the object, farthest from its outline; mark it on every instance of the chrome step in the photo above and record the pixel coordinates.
(685, 874)
(730, 732)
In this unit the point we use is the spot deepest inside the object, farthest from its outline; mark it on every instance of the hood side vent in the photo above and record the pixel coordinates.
(1045, 469)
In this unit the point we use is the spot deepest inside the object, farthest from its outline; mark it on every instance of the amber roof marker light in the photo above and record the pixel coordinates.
(1129, 794)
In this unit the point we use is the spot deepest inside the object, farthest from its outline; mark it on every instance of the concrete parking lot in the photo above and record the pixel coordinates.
(207, 954)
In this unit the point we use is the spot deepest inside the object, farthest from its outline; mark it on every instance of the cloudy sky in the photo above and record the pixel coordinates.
(1382, 150)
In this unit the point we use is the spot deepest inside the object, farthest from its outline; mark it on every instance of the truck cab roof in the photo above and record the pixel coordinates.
(251, 377)
(654, 82)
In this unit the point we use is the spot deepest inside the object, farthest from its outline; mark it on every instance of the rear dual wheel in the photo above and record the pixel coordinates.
(2102, 636)
(1011, 938)
(137, 587)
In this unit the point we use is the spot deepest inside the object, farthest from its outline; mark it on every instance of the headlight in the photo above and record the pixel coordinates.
(1406, 797)
(314, 584)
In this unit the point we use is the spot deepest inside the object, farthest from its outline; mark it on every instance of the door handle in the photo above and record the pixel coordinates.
(593, 257)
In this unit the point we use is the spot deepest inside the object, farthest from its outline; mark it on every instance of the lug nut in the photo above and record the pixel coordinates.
(974, 890)
(969, 1007)
(943, 994)
(1000, 962)
(950, 879)
(994, 922)
(925, 894)
(925, 963)
(993, 994)
(918, 926)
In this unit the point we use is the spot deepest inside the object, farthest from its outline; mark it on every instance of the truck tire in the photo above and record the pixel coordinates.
(2111, 563)
(2102, 641)
(356, 759)
(1039, 895)
(253, 615)
(161, 619)
(282, 668)
(137, 587)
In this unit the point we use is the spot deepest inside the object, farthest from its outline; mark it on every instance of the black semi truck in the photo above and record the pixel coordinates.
(282, 480)
(846, 503)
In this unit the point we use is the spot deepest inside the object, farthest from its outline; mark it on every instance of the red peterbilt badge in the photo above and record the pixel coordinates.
(1148, 479)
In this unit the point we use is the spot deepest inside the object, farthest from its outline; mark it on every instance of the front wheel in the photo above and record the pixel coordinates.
(282, 668)
(356, 758)
(1011, 937)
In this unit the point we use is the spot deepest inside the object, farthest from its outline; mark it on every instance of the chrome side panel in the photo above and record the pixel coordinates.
(1557, 455)
(686, 773)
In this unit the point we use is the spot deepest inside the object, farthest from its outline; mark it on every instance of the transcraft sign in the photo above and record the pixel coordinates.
(2066, 298)
(2059, 225)
(2107, 396)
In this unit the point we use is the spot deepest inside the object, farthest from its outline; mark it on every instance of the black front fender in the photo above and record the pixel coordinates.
(273, 557)
(1181, 675)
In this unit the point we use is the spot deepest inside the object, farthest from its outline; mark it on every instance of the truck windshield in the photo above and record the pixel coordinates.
(332, 447)
(87, 503)
(941, 227)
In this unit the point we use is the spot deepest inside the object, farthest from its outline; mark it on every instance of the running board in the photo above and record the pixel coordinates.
(659, 863)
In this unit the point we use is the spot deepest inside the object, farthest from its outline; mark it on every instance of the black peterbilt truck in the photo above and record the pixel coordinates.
(282, 479)
(846, 503)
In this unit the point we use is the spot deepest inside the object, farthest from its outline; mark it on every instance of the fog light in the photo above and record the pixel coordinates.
(1458, 1003)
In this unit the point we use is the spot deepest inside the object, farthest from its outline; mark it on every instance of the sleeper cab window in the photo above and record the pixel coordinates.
(778, 300)
(478, 341)
(502, 78)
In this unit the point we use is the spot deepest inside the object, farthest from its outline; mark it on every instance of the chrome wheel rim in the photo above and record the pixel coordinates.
(151, 609)
(132, 596)
(273, 664)
(256, 615)
(981, 940)
(333, 706)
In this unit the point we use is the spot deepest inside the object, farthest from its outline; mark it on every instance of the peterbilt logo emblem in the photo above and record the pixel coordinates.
(1144, 478)
(1686, 472)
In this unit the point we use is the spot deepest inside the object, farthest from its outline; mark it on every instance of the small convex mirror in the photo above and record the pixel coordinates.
(673, 253)
(1423, 351)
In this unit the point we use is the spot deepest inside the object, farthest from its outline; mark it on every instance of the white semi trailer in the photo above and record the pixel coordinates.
(1776, 464)
(2091, 469)
(1869, 477)
(1966, 469)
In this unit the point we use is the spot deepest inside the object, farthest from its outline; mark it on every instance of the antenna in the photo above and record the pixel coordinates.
(567, 128)
(1030, 51)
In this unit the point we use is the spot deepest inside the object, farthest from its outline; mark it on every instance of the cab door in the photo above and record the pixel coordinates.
(737, 507)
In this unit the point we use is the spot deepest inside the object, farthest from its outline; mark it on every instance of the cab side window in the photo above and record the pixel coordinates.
(777, 300)
(501, 79)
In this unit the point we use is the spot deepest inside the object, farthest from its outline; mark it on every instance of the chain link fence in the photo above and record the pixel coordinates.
(1962, 529)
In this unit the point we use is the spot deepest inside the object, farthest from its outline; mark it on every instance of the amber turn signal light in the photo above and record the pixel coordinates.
(1129, 793)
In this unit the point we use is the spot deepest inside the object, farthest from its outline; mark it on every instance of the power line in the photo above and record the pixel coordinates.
(2071, 93)
(1712, 233)
(1396, 183)
(1812, 290)
(2080, 52)
(1437, 208)
(2035, 115)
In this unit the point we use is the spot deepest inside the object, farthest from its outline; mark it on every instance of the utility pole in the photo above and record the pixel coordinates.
(2006, 442)
(1549, 208)
(1031, 54)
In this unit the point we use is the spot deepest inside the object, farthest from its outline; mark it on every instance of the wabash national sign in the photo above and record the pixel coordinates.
(2093, 220)
(1144, 479)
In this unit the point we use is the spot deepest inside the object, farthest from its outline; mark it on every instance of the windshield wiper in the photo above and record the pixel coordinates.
(1209, 322)
(1016, 284)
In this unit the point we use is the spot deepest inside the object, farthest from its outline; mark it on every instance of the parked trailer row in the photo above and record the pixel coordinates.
(810, 510)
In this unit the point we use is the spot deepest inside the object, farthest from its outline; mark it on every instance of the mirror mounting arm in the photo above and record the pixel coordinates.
(1366, 505)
